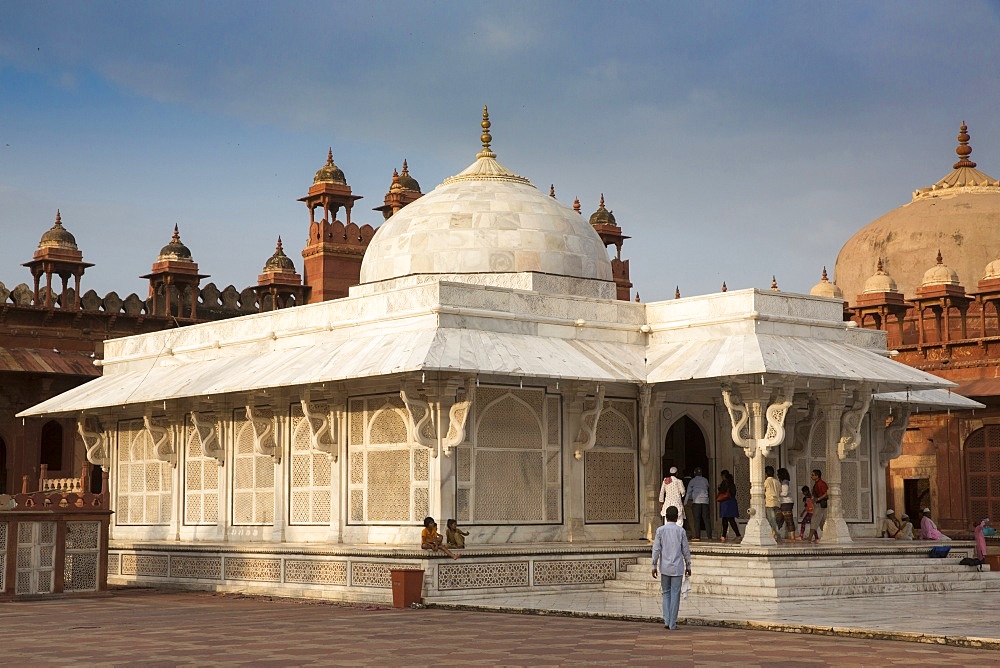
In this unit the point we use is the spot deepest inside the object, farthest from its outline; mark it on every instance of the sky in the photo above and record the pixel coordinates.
(734, 141)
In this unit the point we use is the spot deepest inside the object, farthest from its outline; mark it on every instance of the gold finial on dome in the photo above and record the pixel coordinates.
(964, 150)
(58, 218)
(940, 259)
(774, 284)
(576, 206)
(879, 266)
(677, 292)
(724, 287)
(552, 190)
(824, 277)
(637, 300)
(486, 137)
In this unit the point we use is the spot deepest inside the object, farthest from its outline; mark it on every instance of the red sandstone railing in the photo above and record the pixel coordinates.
(64, 494)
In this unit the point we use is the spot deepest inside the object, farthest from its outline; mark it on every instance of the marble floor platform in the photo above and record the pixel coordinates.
(966, 619)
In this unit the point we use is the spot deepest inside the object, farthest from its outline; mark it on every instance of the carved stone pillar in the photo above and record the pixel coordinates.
(843, 425)
(758, 427)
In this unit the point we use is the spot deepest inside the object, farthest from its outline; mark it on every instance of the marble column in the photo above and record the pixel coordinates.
(758, 427)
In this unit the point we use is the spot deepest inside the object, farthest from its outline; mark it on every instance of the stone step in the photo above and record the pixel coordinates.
(823, 575)
(818, 570)
(729, 590)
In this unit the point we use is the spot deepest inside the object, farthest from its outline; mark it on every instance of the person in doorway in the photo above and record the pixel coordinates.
(671, 562)
(729, 508)
(787, 505)
(772, 500)
(929, 530)
(431, 540)
(820, 491)
(672, 494)
(454, 535)
(701, 511)
(905, 528)
(806, 514)
(891, 527)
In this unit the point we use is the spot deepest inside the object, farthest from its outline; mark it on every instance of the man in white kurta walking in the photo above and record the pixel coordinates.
(672, 494)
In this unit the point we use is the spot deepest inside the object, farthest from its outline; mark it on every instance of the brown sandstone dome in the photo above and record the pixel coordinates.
(958, 216)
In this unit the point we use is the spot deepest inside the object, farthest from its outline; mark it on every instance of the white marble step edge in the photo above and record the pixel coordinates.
(639, 572)
(785, 593)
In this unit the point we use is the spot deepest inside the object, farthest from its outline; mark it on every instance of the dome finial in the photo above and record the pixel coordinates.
(279, 247)
(576, 206)
(964, 150)
(552, 190)
(677, 292)
(329, 156)
(725, 288)
(940, 260)
(486, 137)
(774, 284)
(824, 277)
(406, 168)
(879, 266)
(58, 217)
(177, 235)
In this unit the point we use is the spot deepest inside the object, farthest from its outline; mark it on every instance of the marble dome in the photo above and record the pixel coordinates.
(959, 215)
(485, 221)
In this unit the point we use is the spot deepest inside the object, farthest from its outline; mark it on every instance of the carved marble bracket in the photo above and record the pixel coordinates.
(207, 426)
(892, 446)
(262, 424)
(744, 434)
(587, 435)
(458, 416)
(645, 418)
(94, 442)
(324, 432)
(805, 428)
(850, 421)
(422, 424)
(163, 446)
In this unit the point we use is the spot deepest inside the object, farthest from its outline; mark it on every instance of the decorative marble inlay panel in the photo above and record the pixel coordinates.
(206, 568)
(510, 422)
(610, 486)
(388, 486)
(421, 464)
(578, 571)
(356, 421)
(552, 467)
(462, 504)
(316, 572)
(463, 464)
(253, 478)
(80, 571)
(625, 562)
(388, 426)
(114, 564)
(201, 483)
(357, 468)
(357, 505)
(483, 575)
(366, 574)
(83, 535)
(553, 504)
(143, 479)
(613, 429)
(552, 419)
(152, 565)
(421, 502)
(509, 486)
(245, 568)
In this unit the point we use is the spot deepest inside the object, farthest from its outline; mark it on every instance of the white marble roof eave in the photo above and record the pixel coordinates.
(448, 350)
(753, 354)
(930, 399)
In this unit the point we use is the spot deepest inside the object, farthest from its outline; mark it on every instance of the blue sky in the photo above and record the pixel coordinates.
(732, 140)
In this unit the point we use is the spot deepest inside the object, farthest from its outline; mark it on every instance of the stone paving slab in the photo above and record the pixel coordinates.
(142, 627)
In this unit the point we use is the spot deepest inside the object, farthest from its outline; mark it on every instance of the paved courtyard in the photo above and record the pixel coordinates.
(168, 628)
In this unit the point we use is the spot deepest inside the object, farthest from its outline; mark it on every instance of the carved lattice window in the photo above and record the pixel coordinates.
(610, 468)
(253, 477)
(201, 483)
(143, 481)
(982, 466)
(310, 474)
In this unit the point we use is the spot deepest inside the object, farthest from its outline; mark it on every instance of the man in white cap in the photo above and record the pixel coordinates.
(929, 530)
(891, 528)
(672, 494)
(905, 528)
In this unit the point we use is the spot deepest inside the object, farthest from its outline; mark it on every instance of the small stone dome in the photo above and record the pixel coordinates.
(602, 216)
(58, 236)
(485, 221)
(880, 281)
(175, 250)
(826, 289)
(940, 274)
(279, 262)
(406, 181)
(992, 271)
(330, 173)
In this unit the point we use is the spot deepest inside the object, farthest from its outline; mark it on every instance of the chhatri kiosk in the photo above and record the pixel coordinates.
(483, 370)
